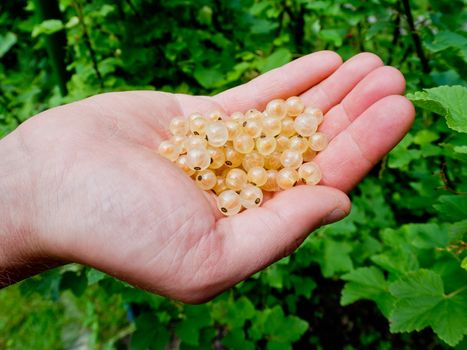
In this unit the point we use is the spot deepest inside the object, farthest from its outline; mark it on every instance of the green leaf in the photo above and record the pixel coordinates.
(367, 283)
(197, 317)
(77, 282)
(448, 101)
(424, 137)
(235, 340)
(277, 58)
(452, 207)
(421, 302)
(335, 36)
(445, 40)
(336, 257)
(150, 333)
(284, 328)
(6, 42)
(94, 276)
(209, 78)
(47, 27)
(464, 263)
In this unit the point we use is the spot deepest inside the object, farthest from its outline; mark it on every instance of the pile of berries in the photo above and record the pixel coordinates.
(241, 156)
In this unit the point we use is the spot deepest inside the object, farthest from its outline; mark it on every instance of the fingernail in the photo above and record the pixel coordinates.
(335, 215)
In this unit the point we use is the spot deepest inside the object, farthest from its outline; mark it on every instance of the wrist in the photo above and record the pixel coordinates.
(21, 254)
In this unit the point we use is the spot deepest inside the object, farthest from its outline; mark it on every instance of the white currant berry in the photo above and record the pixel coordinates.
(310, 173)
(229, 203)
(318, 141)
(169, 150)
(251, 196)
(291, 159)
(216, 134)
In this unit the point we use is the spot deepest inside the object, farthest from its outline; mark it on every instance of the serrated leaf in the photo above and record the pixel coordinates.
(277, 58)
(421, 302)
(448, 101)
(94, 276)
(452, 207)
(367, 283)
(336, 257)
(283, 328)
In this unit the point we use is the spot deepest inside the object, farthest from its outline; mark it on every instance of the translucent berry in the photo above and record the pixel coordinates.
(236, 179)
(179, 126)
(179, 141)
(198, 126)
(232, 158)
(194, 141)
(310, 173)
(305, 124)
(206, 179)
(216, 134)
(182, 164)
(273, 161)
(214, 116)
(272, 126)
(257, 176)
(253, 159)
(169, 150)
(291, 159)
(243, 143)
(217, 157)
(295, 106)
(308, 155)
(239, 117)
(233, 129)
(288, 127)
(277, 108)
(315, 112)
(287, 178)
(318, 141)
(283, 143)
(194, 116)
(254, 114)
(220, 185)
(198, 159)
(298, 143)
(251, 196)
(252, 127)
(228, 202)
(271, 182)
(266, 145)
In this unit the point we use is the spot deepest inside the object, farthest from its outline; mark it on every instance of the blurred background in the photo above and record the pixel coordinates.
(390, 276)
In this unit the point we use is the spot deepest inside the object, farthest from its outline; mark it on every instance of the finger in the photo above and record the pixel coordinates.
(381, 82)
(288, 80)
(258, 237)
(353, 152)
(331, 91)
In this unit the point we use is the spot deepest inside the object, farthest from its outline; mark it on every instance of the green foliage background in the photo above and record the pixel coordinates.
(401, 254)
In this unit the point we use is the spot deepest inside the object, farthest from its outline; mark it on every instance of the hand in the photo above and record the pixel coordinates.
(96, 192)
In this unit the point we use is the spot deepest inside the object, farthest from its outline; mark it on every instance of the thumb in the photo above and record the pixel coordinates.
(257, 237)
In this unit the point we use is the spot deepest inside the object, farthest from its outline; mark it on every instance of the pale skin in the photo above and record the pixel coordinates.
(83, 183)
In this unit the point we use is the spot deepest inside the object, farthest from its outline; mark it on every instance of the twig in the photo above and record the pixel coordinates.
(396, 34)
(415, 37)
(87, 40)
(448, 184)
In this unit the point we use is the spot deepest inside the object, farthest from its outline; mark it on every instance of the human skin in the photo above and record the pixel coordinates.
(83, 182)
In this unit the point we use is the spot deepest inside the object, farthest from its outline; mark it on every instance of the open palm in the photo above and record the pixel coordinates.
(101, 195)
